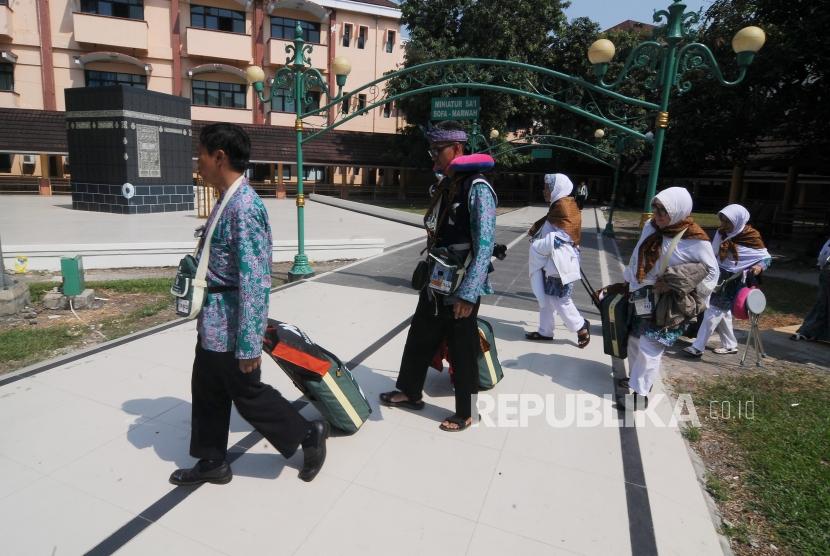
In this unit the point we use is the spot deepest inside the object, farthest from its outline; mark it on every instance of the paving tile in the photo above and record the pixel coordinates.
(14, 476)
(489, 541)
(159, 540)
(431, 469)
(132, 470)
(50, 517)
(255, 514)
(568, 509)
(130, 382)
(53, 428)
(388, 525)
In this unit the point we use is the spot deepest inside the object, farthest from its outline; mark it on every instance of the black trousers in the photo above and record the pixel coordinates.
(426, 333)
(216, 382)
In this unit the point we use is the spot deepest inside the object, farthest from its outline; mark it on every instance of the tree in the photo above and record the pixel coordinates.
(785, 94)
(443, 29)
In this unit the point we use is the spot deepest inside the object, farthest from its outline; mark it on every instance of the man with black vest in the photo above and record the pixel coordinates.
(461, 224)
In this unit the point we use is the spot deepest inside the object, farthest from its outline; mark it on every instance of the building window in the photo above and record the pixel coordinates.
(5, 158)
(313, 173)
(107, 78)
(361, 103)
(347, 34)
(6, 77)
(130, 9)
(4, 2)
(361, 36)
(284, 102)
(387, 110)
(284, 27)
(213, 93)
(217, 19)
(390, 41)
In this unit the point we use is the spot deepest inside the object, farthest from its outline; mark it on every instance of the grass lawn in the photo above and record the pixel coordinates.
(624, 217)
(25, 344)
(788, 297)
(133, 305)
(784, 444)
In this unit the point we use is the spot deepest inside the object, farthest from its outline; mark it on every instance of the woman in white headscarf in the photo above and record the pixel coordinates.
(671, 240)
(741, 256)
(554, 262)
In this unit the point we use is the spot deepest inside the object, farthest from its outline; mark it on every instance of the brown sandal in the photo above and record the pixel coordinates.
(584, 335)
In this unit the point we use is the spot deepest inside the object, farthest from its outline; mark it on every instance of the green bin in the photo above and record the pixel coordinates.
(72, 270)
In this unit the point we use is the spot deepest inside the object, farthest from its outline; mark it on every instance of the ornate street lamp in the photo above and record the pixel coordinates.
(668, 61)
(297, 77)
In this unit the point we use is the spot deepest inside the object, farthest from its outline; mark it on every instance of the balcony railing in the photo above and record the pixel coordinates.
(110, 31)
(219, 45)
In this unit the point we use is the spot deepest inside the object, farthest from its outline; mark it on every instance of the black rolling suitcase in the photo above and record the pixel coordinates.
(615, 311)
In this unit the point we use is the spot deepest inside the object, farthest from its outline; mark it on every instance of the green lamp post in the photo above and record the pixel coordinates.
(670, 60)
(620, 143)
(298, 78)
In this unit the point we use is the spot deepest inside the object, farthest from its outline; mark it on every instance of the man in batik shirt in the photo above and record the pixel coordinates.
(464, 211)
(232, 322)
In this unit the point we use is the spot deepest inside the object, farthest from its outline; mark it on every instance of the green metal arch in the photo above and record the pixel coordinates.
(482, 62)
(563, 148)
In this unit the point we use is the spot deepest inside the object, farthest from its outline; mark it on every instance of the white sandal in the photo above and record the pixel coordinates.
(725, 351)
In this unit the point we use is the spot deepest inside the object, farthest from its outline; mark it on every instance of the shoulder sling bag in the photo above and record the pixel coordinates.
(189, 286)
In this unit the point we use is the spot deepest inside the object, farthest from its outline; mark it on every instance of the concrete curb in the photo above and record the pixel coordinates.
(394, 215)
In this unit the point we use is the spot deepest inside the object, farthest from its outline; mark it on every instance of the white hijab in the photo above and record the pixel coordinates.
(559, 186)
(739, 217)
(677, 202)
(747, 257)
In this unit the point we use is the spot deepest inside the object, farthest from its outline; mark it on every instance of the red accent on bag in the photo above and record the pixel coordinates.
(301, 359)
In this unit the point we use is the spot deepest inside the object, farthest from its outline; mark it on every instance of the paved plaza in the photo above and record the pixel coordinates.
(44, 229)
(89, 441)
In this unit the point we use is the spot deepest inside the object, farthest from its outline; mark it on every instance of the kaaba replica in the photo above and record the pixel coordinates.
(130, 150)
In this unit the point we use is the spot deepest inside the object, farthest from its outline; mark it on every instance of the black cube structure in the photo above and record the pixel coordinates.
(130, 150)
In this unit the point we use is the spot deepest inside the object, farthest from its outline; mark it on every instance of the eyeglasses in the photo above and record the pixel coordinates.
(435, 151)
(659, 210)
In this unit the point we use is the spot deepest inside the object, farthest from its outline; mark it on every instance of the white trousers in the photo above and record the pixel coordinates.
(644, 363)
(715, 319)
(550, 304)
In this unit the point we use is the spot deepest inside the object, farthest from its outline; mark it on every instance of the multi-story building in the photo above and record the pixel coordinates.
(193, 48)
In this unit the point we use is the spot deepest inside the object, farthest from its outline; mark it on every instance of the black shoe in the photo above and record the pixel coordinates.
(314, 450)
(219, 475)
(632, 402)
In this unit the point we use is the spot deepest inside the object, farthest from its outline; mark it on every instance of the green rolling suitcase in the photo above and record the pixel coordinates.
(489, 368)
(319, 375)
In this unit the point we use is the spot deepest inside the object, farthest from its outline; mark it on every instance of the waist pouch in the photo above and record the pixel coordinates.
(446, 270)
(643, 302)
(555, 287)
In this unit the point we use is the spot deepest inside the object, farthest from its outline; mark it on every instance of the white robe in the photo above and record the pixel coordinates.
(644, 354)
